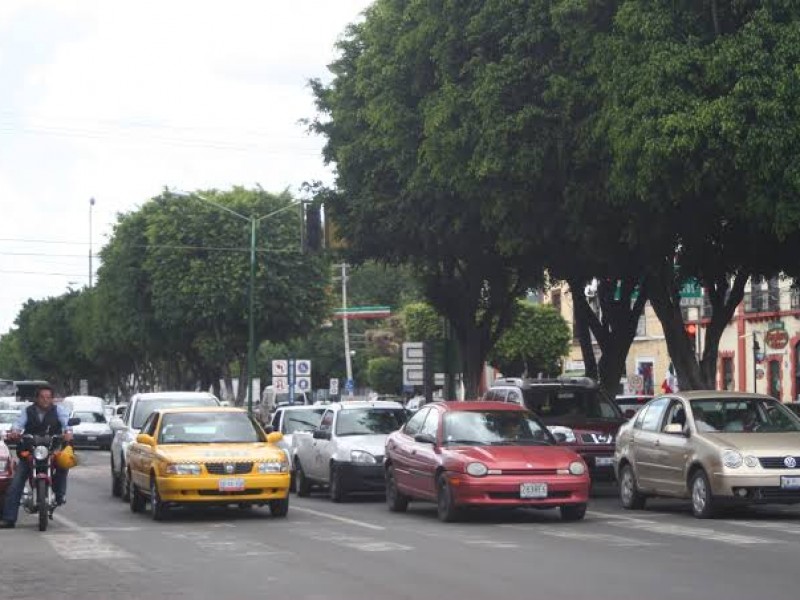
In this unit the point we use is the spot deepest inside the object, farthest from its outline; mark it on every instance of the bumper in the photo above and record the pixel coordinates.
(756, 488)
(599, 460)
(84, 440)
(204, 489)
(362, 478)
(505, 490)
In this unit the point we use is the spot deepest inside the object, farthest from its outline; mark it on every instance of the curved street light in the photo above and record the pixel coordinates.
(253, 220)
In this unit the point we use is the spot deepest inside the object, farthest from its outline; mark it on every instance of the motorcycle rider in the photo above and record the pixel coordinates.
(40, 418)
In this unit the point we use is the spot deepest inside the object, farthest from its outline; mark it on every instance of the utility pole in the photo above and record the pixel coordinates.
(91, 271)
(756, 348)
(347, 360)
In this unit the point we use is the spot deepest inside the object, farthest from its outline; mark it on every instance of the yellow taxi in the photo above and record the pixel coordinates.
(206, 456)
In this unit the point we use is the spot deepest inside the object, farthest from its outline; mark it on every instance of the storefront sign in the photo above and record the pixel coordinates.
(777, 337)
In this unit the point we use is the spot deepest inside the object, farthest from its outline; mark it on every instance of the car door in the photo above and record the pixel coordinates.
(402, 450)
(276, 420)
(426, 457)
(320, 448)
(140, 456)
(644, 448)
(672, 451)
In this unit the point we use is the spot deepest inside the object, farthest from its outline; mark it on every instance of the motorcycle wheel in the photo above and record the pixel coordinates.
(41, 503)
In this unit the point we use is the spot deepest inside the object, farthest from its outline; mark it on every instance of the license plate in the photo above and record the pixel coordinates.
(790, 482)
(604, 461)
(533, 490)
(231, 485)
(91, 438)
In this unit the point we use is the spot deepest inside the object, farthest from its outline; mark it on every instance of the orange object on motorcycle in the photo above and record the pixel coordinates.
(24, 453)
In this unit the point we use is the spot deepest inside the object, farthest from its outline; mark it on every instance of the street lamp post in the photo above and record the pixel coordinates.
(251, 287)
(91, 271)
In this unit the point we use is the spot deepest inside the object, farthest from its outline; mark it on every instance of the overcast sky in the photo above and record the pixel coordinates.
(114, 100)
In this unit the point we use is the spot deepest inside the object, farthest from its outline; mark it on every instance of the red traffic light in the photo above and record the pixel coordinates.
(691, 329)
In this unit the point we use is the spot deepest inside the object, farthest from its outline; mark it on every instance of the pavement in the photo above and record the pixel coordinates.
(97, 549)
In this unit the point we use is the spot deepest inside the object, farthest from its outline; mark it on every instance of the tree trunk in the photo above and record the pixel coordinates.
(241, 393)
(580, 311)
(724, 300)
(473, 356)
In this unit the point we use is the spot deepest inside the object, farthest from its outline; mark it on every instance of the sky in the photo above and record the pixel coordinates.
(115, 100)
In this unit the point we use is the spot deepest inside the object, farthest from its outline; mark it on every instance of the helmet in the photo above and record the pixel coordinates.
(66, 459)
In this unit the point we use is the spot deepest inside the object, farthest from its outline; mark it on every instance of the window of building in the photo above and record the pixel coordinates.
(727, 374)
(555, 300)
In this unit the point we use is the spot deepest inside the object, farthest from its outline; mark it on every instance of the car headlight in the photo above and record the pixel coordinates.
(273, 467)
(477, 469)
(731, 459)
(40, 452)
(3, 464)
(183, 469)
(577, 468)
(359, 456)
(569, 435)
(751, 461)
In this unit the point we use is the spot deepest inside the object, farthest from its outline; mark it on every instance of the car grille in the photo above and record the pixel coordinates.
(226, 494)
(515, 496)
(597, 438)
(778, 494)
(776, 462)
(239, 468)
(525, 472)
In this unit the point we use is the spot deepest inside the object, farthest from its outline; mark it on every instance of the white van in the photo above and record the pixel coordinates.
(270, 400)
(93, 430)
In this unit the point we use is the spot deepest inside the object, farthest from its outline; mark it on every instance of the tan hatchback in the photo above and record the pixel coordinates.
(716, 448)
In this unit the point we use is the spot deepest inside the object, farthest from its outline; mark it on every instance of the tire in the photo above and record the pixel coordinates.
(445, 505)
(335, 484)
(279, 508)
(703, 506)
(629, 494)
(395, 499)
(302, 484)
(137, 502)
(573, 512)
(41, 504)
(157, 509)
(116, 484)
(292, 482)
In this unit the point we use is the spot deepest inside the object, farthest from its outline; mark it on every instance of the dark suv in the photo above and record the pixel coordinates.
(575, 410)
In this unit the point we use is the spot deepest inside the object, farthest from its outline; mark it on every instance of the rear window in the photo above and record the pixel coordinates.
(577, 403)
(367, 421)
(90, 417)
(301, 420)
(145, 407)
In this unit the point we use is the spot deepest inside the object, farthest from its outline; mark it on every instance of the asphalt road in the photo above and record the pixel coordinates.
(97, 549)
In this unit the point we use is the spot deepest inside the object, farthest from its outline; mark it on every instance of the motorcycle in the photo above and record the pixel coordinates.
(40, 453)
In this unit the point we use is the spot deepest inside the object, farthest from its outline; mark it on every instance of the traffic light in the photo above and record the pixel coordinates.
(313, 229)
(691, 332)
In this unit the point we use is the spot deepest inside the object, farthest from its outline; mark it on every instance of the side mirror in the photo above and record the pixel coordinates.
(675, 429)
(560, 437)
(274, 437)
(321, 435)
(629, 413)
(116, 424)
(72, 421)
(424, 438)
(268, 429)
(145, 439)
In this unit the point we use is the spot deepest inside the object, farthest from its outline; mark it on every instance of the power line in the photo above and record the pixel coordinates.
(42, 273)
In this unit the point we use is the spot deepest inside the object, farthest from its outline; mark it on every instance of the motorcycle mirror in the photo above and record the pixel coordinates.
(74, 421)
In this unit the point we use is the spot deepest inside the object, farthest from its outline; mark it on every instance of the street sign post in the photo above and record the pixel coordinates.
(691, 293)
(333, 388)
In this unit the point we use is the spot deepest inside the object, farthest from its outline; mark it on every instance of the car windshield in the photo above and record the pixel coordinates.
(582, 404)
(145, 407)
(301, 420)
(206, 428)
(368, 421)
(90, 417)
(736, 415)
(494, 428)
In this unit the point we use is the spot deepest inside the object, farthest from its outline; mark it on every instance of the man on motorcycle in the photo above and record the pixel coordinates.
(40, 418)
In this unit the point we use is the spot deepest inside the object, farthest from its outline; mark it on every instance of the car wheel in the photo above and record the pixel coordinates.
(445, 504)
(292, 482)
(116, 484)
(395, 499)
(702, 499)
(302, 484)
(335, 484)
(279, 508)
(157, 509)
(137, 501)
(126, 488)
(629, 494)
(573, 512)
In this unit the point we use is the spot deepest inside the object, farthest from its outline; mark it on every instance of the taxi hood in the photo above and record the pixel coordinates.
(198, 453)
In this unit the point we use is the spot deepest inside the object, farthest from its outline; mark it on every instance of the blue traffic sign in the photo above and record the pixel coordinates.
(349, 385)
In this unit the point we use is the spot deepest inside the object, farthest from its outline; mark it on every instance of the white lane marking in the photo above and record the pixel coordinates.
(618, 517)
(700, 533)
(338, 518)
(210, 542)
(494, 544)
(768, 525)
(362, 544)
(81, 544)
(604, 538)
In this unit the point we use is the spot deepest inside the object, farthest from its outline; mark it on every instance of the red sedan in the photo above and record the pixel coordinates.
(482, 454)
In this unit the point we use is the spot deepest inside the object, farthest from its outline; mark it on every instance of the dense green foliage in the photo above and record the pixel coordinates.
(384, 375)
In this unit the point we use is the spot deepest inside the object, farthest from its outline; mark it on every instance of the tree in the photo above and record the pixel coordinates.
(402, 129)
(535, 343)
(12, 361)
(384, 375)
